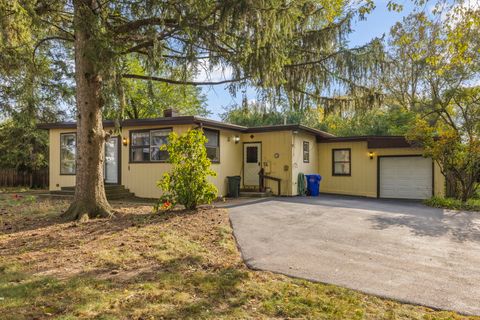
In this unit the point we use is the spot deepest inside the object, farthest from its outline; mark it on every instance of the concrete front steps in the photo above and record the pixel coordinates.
(245, 193)
(113, 191)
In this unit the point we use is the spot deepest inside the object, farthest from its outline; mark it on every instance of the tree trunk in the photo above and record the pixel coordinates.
(451, 185)
(90, 200)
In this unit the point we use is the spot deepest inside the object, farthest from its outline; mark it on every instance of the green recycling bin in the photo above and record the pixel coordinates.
(234, 186)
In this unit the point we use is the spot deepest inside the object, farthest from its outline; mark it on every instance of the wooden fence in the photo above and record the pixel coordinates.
(15, 178)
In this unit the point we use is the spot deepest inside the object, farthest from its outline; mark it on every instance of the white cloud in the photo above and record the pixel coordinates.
(206, 72)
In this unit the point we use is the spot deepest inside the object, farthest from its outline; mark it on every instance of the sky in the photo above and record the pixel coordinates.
(377, 24)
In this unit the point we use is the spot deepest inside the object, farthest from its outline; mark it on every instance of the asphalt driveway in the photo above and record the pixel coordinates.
(395, 249)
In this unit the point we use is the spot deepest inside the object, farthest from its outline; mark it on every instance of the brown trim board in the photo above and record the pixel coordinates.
(373, 142)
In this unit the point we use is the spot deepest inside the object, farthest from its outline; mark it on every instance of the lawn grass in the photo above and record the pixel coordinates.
(454, 204)
(14, 189)
(139, 265)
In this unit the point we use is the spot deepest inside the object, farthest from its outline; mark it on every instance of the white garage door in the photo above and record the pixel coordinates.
(405, 177)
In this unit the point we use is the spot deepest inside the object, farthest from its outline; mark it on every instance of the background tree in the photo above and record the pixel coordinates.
(454, 140)
(438, 73)
(268, 44)
(29, 92)
(148, 99)
(384, 120)
(258, 113)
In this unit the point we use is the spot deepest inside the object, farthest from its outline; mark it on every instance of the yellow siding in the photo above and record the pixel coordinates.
(363, 179)
(56, 180)
(230, 161)
(141, 178)
(297, 155)
(275, 142)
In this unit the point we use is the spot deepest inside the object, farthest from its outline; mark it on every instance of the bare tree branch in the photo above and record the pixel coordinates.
(181, 82)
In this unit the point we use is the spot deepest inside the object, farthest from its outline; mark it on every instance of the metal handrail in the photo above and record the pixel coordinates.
(262, 177)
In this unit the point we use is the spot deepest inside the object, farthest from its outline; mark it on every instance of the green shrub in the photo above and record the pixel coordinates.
(187, 182)
(454, 204)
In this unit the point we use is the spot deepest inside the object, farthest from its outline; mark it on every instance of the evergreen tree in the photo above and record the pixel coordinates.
(292, 47)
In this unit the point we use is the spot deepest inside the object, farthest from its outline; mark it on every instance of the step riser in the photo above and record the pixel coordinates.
(113, 188)
(255, 194)
(70, 196)
(109, 194)
(112, 191)
(106, 191)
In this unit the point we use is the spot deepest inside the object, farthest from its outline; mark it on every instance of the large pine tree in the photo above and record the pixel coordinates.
(296, 47)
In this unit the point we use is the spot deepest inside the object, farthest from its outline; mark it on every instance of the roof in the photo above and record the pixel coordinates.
(373, 142)
(293, 127)
(149, 122)
(193, 120)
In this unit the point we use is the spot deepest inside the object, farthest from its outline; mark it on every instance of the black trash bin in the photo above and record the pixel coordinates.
(234, 186)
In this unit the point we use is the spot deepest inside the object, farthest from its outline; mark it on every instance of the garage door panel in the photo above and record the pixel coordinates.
(405, 177)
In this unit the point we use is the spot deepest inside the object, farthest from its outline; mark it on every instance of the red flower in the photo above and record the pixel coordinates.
(166, 204)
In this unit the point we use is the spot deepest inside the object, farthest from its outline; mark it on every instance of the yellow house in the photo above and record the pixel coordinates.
(370, 166)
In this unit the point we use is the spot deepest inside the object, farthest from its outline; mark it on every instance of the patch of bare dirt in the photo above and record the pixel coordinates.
(48, 245)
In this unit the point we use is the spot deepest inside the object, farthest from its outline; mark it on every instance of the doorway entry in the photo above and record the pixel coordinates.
(112, 160)
(252, 163)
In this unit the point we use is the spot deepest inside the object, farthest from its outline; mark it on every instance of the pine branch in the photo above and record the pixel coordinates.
(164, 34)
(181, 82)
(137, 24)
(39, 43)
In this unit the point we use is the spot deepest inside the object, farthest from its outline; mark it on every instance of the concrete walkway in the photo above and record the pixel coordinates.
(395, 249)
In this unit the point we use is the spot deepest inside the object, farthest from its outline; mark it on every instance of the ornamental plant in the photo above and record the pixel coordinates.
(187, 182)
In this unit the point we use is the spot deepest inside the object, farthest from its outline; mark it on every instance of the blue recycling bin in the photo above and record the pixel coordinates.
(313, 184)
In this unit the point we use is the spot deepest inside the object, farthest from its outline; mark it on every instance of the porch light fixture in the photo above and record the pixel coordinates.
(236, 139)
(125, 141)
(370, 154)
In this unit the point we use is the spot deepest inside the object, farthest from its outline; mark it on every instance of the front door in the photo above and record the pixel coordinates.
(111, 160)
(252, 160)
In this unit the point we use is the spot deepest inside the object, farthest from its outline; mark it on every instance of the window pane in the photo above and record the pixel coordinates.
(158, 155)
(212, 138)
(342, 168)
(68, 140)
(341, 155)
(140, 154)
(213, 153)
(252, 155)
(67, 153)
(146, 145)
(141, 138)
(67, 167)
(306, 151)
(159, 137)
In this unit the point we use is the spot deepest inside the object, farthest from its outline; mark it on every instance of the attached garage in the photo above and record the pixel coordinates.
(405, 177)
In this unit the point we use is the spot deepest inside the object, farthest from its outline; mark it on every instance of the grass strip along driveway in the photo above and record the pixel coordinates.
(141, 265)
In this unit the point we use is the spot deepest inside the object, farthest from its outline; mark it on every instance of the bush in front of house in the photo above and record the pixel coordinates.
(453, 204)
(187, 182)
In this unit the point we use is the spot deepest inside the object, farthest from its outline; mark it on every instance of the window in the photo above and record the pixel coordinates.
(306, 152)
(145, 145)
(252, 154)
(341, 165)
(68, 148)
(213, 144)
